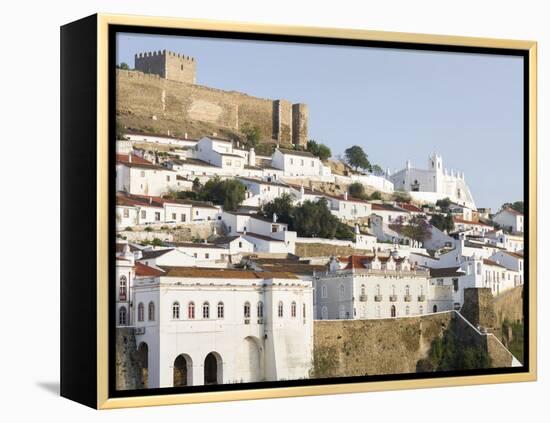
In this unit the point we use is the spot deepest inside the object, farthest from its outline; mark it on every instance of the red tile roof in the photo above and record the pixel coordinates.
(358, 262)
(147, 271)
(469, 222)
(124, 158)
(200, 272)
(409, 207)
(492, 263)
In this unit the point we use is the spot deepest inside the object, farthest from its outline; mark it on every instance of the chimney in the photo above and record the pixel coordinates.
(130, 157)
(274, 217)
(150, 200)
(345, 195)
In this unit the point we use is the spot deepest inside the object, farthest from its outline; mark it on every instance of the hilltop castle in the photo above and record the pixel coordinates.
(163, 85)
(167, 65)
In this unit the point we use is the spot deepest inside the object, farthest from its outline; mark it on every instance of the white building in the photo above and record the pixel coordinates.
(371, 287)
(212, 326)
(510, 220)
(510, 242)
(433, 183)
(259, 191)
(267, 235)
(295, 163)
(135, 175)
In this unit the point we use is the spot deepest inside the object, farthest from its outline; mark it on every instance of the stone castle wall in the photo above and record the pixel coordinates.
(127, 365)
(391, 346)
(154, 103)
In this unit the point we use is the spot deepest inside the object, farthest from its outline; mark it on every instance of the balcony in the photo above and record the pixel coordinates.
(421, 298)
(407, 298)
(362, 298)
(393, 298)
(378, 298)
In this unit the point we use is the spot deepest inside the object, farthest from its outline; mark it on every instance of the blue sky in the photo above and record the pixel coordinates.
(396, 104)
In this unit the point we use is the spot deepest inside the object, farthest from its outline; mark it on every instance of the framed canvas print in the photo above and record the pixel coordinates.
(255, 211)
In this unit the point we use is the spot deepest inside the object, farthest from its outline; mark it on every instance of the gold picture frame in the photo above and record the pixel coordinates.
(102, 23)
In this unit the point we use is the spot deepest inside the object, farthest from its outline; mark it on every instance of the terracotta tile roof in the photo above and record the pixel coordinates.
(126, 199)
(198, 272)
(124, 158)
(409, 207)
(147, 271)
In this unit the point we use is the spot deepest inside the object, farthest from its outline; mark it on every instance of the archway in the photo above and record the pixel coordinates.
(435, 308)
(251, 360)
(183, 370)
(143, 359)
(393, 312)
(213, 369)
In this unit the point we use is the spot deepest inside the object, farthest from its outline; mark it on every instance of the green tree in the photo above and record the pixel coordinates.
(377, 170)
(196, 185)
(314, 219)
(319, 150)
(252, 134)
(417, 229)
(357, 158)
(402, 197)
(282, 206)
(357, 190)
(442, 222)
(444, 204)
(123, 66)
(230, 193)
(516, 205)
(376, 195)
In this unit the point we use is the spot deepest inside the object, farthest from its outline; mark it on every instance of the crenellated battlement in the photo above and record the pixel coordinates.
(167, 64)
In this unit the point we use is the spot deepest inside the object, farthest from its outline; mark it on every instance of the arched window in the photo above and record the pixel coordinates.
(246, 310)
(206, 310)
(342, 291)
(324, 291)
(377, 289)
(363, 289)
(141, 312)
(407, 290)
(293, 309)
(260, 310)
(221, 310)
(341, 311)
(407, 310)
(122, 287)
(176, 310)
(122, 315)
(435, 308)
(151, 311)
(324, 313)
(393, 289)
(479, 268)
(280, 309)
(191, 310)
(304, 311)
(421, 290)
(393, 311)
(420, 309)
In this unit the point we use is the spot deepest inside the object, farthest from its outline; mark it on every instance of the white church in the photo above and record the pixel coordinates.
(433, 183)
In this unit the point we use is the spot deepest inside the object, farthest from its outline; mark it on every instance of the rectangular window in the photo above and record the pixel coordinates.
(173, 216)
(143, 214)
(142, 173)
(455, 284)
(168, 178)
(183, 217)
(126, 213)
(206, 256)
(157, 216)
(312, 163)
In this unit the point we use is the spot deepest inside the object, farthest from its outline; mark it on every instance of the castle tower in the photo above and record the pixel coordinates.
(299, 124)
(168, 65)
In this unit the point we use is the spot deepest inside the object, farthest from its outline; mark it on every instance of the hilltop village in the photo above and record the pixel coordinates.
(238, 254)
